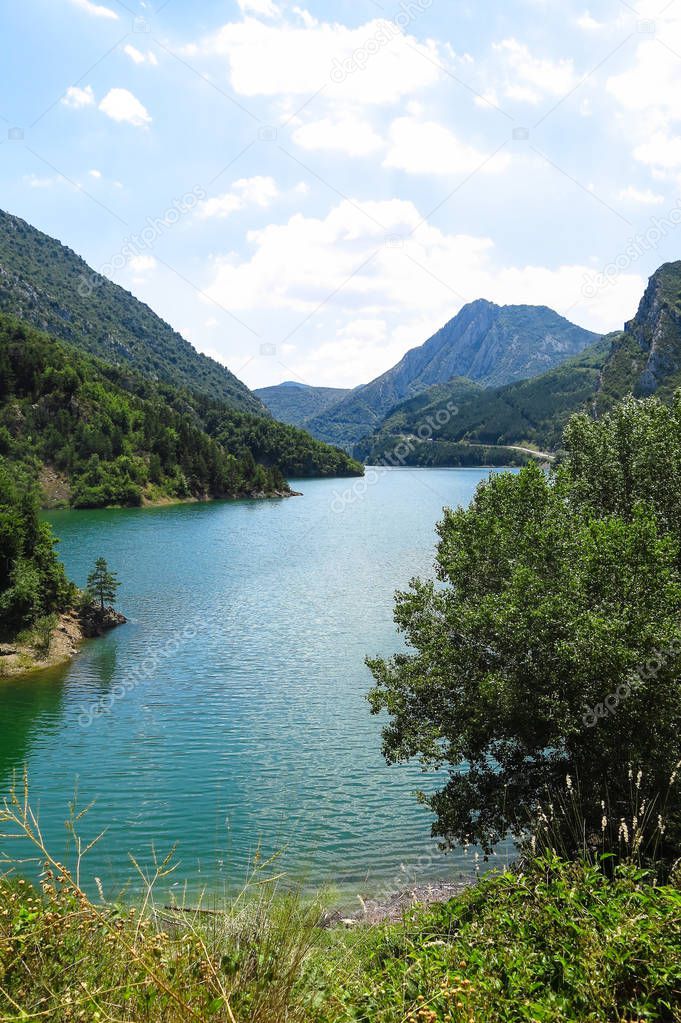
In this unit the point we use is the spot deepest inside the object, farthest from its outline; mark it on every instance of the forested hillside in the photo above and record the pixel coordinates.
(114, 437)
(529, 413)
(46, 284)
(295, 403)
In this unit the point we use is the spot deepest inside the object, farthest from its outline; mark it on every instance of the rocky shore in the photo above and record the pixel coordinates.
(35, 654)
(393, 907)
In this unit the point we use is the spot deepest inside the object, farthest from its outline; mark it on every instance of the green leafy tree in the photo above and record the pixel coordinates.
(102, 583)
(551, 646)
(33, 583)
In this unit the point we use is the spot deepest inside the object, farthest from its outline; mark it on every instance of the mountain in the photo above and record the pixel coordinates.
(490, 344)
(295, 403)
(527, 414)
(46, 284)
(645, 357)
(97, 435)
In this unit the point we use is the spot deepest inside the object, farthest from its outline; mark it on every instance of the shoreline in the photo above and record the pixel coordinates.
(391, 908)
(171, 502)
(21, 660)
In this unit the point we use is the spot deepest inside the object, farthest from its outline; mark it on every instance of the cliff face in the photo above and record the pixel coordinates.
(645, 358)
(486, 343)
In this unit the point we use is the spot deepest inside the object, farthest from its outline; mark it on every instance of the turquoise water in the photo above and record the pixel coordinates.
(235, 697)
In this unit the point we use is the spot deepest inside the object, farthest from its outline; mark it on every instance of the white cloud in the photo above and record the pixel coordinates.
(376, 63)
(370, 300)
(142, 264)
(95, 9)
(645, 196)
(138, 57)
(258, 191)
(426, 147)
(262, 191)
(78, 98)
(487, 100)
(661, 151)
(650, 83)
(95, 173)
(529, 79)
(34, 181)
(346, 134)
(266, 8)
(589, 24)
(121, 105)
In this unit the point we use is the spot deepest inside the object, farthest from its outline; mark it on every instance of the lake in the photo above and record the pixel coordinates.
(236, 716)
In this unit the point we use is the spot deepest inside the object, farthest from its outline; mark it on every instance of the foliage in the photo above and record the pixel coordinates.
(33, 584)
(290, 449)
(557, 598)
(102, 583)
(69, 959)
(557, 943)
(119, 438)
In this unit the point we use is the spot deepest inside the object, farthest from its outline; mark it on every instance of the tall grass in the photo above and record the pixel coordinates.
(551, 942)
(633, 831)
(65, 958)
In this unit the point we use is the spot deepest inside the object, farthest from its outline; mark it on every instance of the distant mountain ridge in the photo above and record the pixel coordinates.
(486, 343)
(293, 402)
(42, 282)
(642, 359)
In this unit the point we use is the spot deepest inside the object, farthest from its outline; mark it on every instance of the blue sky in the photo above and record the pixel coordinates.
(306, 190)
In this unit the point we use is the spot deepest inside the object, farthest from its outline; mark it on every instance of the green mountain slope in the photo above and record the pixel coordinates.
(646, 356)
(106, 436)
(490, 344)
(295, 403)
(98, 435)
(46, 284)
(530, 413)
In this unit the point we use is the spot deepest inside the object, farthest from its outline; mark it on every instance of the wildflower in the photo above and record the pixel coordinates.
(639, 776)
(568, 782)
(661, 824)
(604, 822)
(624, 832)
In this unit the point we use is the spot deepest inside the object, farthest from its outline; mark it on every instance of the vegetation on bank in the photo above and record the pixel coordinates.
(551, 647)
(43, 615)
(33, 583)
(543, 678)
(552, 941)
(119, 438)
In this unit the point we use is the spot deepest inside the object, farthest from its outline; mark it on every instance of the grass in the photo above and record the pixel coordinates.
(553, 941)
(557, 942)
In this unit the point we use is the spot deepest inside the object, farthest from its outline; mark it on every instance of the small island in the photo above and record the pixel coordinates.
(45, 616)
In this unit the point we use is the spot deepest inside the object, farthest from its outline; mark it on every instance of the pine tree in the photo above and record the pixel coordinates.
(102, 584)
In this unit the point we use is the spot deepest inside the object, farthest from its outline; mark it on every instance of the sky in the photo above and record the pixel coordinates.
(307, 190)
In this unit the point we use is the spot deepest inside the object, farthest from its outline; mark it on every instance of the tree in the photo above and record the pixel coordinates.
(102, 584)
(552, 647)
(33, 583)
